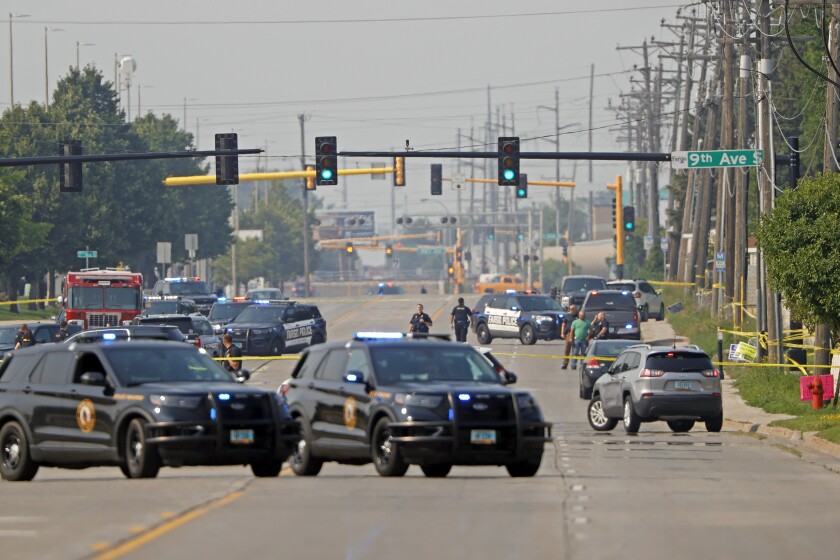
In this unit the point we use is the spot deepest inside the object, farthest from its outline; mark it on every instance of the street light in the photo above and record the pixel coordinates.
(12, 59)
(47, 66)
(78, 45)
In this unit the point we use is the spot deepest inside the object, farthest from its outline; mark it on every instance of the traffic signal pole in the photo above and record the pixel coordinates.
(619, 228)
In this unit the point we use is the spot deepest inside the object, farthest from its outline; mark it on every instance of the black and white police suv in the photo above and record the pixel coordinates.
(396, 400)
(139, 405)
(277, 326)
(528, 317)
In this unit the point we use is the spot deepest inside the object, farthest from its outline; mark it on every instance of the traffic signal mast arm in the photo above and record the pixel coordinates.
(211, 179)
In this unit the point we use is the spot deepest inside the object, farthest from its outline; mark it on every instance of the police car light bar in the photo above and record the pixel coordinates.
(374, 335)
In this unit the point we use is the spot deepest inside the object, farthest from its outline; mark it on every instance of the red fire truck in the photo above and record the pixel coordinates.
(99, 298)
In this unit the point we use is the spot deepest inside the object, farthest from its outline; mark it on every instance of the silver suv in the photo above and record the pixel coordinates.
(649, 383)
(648, 300)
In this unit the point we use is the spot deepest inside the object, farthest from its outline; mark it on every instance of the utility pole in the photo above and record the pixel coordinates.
(652, 142)
(591, 100)
(739, 265)
(305, 199)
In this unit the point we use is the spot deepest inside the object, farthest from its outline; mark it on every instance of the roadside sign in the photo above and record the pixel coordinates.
(459, 180)
(86, 254)
(720, 262)
(746, 352)
(663, 243)
(716, 158)
(549, 236)
(431, 250)
(648, 242)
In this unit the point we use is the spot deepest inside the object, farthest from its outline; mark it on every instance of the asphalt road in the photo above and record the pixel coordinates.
(654, 495)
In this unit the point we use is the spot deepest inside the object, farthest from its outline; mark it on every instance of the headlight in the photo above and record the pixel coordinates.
(543, 318)
(261, 331)
(526, 402)
(564, 301)
(175, 400)
(426, 401)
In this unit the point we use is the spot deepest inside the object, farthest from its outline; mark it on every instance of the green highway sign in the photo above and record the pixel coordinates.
(549, 236)
(86, 254)
(716, 158)
(431, 250)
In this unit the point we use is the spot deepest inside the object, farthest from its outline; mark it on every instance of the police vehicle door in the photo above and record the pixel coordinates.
(502, 315)
(298, 324)
(357, 401)
(328, 417)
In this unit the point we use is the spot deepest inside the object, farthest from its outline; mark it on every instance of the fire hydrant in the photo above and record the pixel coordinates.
(817, 391)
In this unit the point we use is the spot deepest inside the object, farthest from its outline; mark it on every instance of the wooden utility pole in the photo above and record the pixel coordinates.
(739, 266)
(652, 169)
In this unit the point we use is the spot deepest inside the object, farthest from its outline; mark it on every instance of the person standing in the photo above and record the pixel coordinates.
(24, 337)
(460, 320)
(420, 322)
(62, 333)
(566, 333)
(580, 331)
(231, 353)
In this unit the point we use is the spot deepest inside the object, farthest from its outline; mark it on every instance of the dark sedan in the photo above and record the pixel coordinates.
(599, 357)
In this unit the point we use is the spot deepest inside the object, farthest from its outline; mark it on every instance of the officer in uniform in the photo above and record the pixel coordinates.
(420, 322)
(600, 327)
(231, 353)
(460, 320)
(24, 337)
(61, 334)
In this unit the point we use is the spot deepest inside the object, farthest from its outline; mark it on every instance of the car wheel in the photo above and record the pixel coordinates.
(303, 463)
(438, 470)
(384, 452)
(527, 335)
(268, 468)
(483, 334)
(661, 312)
(680, 426)
(715, 423)
(631, 419)
(598, 418)
(277, 346)
(140, 460)
(15, 463)
(522, 469)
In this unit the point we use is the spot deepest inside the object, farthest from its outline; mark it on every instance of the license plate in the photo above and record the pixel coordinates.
(682, 385)
(483, 437)
(242, 436)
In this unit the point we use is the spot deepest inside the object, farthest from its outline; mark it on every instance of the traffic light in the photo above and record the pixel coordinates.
(509, 160)
(70, 174)
(389, 250)
(437, 179)
(613, 212)
(227, 167)
(459, 255)
(326, 162)
(491, 233)
(522, 188)
(629, 219)
(565, 250)
(451, 271)
(310, 181)
(519, 235)
(349, 248)
(399, 171)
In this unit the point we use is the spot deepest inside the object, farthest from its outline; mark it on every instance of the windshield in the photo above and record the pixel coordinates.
(266, 294)
(161, 308)
(610, 301)
(396, 365)
(539, 303)
(262, 314)
(7, 335)
(226, 311)
(583, 284)
(186, 288)
(98, 297)
(177, 364)
(202, 326)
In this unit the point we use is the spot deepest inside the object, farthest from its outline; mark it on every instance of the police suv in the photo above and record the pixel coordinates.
(529, 317)
(277, 326)
(193, 288)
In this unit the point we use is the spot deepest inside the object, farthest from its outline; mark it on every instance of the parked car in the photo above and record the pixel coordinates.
(271, 329)
(619, 307)
(128, 332)
(528, 317)
(650, 383)
(196, 329)
(599, 357)
(648, 300)
(573, 289)
(168, 305)
(264, 294)
(43, 333)
(224, 312)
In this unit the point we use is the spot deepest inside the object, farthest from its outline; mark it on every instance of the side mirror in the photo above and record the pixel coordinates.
(59, 300)
(354, 377)
(510, 378)
(96, 378)
(243, 375)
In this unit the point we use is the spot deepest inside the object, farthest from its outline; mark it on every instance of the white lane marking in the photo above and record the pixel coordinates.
(578, 509)
(581, 520)
(583, 498)
(571, 472)
(578, 487)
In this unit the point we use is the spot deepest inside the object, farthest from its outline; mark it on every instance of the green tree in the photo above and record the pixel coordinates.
(800, 239)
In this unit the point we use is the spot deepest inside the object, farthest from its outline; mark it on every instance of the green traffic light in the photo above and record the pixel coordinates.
(628, 225)
(509, 174)
(326, 174)
(521, 193)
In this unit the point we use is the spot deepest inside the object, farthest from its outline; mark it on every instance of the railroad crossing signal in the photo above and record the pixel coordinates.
(227, 167)
(326, 162)
(399, 171)
(437, 179)
(509, 161)
(70, 174)
(629, 219)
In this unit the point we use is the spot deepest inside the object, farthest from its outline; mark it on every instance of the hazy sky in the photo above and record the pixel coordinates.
(372, 72)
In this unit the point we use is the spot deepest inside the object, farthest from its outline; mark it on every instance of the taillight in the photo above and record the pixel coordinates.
(284, 388)
(594, 363)
(637, 294)
(635, 316)
(651, 373)
(198, 343)
(711, 373)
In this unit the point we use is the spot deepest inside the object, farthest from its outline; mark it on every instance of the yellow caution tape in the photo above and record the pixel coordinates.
(663, 283)
(252, 358)
(47, 300)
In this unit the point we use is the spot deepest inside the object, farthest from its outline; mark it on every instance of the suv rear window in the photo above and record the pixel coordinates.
(539, 303)
(583, 284)
(184, 324)
(679, 361)
(629, 286)
(610, 301)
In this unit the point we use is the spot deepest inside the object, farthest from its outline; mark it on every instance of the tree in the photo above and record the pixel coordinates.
(800, 239)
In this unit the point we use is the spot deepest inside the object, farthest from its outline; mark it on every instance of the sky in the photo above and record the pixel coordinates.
(374, 73)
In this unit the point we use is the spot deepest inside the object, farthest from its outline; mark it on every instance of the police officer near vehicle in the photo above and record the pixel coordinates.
(600, 327)
(566, 333)
(231, 353)
(62, 333)
(420, 322)
(460, 320)
(24, 337)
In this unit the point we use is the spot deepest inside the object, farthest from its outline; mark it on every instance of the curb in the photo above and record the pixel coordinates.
(809, 440)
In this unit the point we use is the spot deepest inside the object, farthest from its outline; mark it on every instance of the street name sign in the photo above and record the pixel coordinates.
(716, 158)
(86, 254)
(431, 250)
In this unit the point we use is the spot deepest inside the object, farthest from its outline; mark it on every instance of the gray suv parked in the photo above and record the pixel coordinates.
(649, 383)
